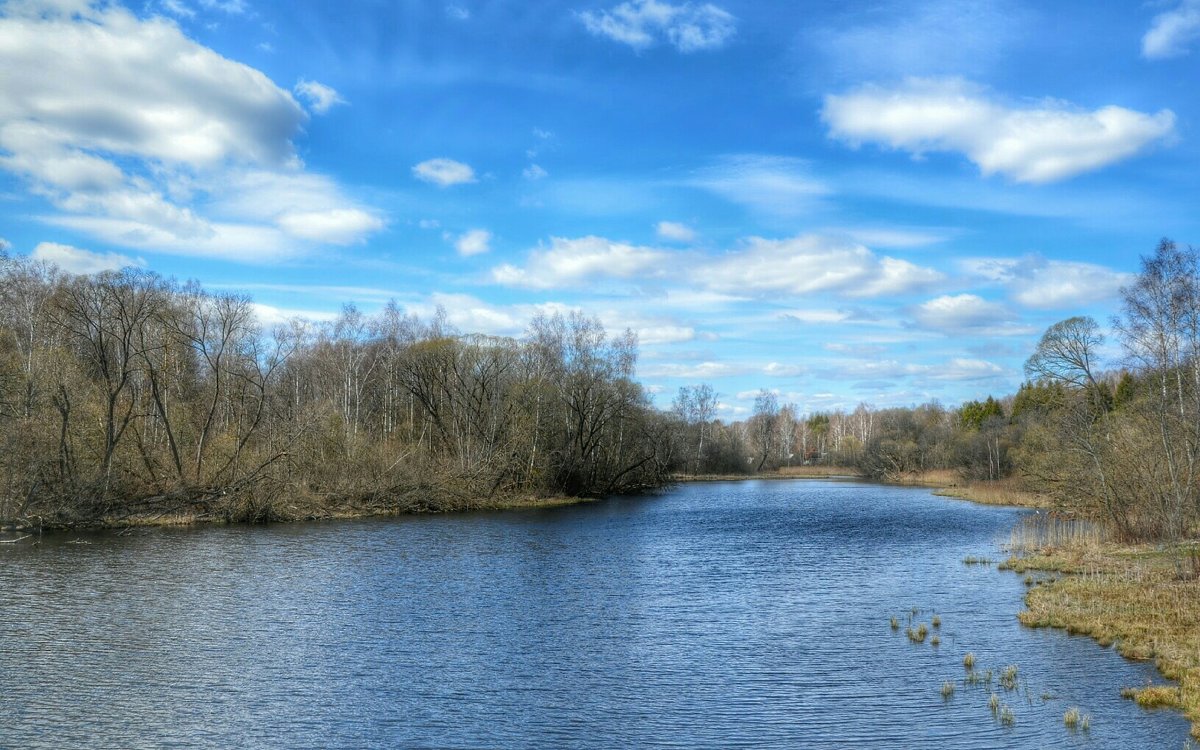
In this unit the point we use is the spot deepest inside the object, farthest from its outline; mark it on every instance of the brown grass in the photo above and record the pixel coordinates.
(1007, 491)
(1143, 599)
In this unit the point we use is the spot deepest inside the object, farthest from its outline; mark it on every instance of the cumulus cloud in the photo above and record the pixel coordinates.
(320, 98)
(1173, 31)
(961, 313)
(473, 242)
(777, 185)
(339, 226)
(1037, 143)
(444, 172)
(675, 231)
(645, 23)
(1036, 282)
(131, 130)
(76, 260)
(572, 262)
(810, 263)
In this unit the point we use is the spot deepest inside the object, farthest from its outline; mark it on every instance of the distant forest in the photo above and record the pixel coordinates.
(124, 395)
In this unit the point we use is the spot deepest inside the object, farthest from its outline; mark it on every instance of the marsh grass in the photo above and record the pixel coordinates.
(969, 660)
(1008, 677)
(1007, 717)
(1155, 696)
(947, 689)
(1071, 718)
(1142, 599)
(997, 492)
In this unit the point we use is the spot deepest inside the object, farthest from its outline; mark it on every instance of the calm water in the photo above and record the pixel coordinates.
(719, 615)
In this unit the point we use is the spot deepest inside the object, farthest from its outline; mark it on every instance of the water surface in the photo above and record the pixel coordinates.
(727, 615)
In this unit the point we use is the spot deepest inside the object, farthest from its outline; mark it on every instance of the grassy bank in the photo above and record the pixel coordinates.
(1007, 491)
(1144, 600)
(295, 509)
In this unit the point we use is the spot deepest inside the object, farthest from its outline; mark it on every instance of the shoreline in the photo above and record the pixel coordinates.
(1143, 600)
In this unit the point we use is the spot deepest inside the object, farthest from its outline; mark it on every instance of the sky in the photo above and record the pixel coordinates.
(840, 202)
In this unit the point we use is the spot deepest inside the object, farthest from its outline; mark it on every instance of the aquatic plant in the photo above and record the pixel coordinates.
(1071, 718)
(969, 660)
(1008, 677)
(947, 689)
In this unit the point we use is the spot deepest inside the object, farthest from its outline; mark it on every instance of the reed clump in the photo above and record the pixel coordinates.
(1071, 718)
(1008, 677)
(969, 660)
(947, 689)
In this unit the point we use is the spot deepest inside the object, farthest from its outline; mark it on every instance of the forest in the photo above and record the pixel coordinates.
(124, 394)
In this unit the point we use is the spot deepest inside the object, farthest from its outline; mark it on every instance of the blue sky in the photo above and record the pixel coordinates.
(841, 202)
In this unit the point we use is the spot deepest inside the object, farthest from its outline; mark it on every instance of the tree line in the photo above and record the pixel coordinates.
(125, 394)
(1110, 430)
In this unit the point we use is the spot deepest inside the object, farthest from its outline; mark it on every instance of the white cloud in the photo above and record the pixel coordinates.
(700, 371)
(5, 245)
(473, 242)
(960, 313)
(534, 172)
(444, 172)
(1039, 143)
(76, 260)
(137, 134)
(339, 226)
(1171, 32)
(675, 231)
(458, 13)
(572, 262)
(270, 315)
(1039, 283)
(890, 237)
(644, 23)
(808, 264)
(929, 37)
(774, 184)
(959, 368)
(777, 370)
(320, 98)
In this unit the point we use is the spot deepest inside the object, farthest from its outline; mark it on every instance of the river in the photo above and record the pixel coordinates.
(715, 615)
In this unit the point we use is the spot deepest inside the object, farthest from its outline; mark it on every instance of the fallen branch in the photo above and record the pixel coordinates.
(14, 541)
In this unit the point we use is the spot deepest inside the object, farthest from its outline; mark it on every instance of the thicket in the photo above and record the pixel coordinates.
(127, 395)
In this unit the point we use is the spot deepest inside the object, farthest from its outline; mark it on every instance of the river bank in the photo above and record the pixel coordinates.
(295, 511)
(1144, 600)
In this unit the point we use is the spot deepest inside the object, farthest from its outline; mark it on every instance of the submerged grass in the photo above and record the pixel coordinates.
(1145, 599)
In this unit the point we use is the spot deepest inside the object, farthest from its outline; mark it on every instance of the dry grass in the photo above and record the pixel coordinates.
(818, 472)
(1143, 599)
(1007, 491)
